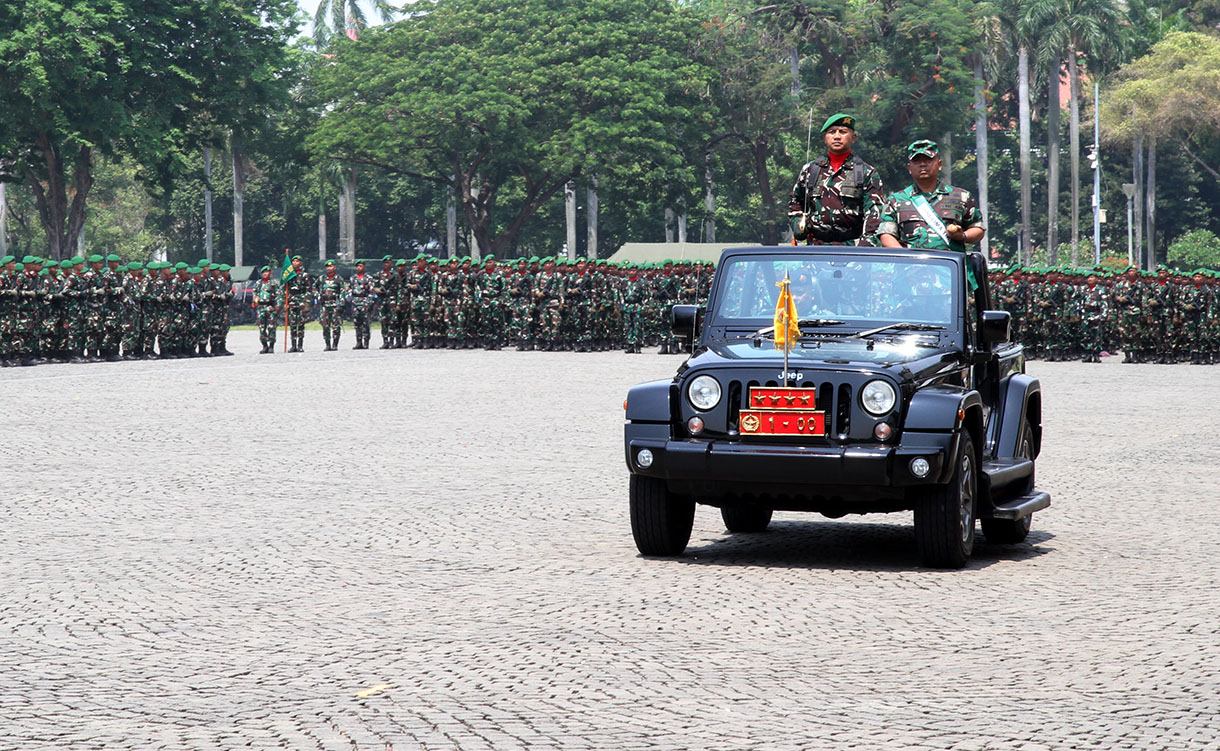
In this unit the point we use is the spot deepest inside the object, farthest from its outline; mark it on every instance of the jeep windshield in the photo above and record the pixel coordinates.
(848, 293)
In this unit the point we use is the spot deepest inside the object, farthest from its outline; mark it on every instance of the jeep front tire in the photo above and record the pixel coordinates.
(944, 514)
(661, 522)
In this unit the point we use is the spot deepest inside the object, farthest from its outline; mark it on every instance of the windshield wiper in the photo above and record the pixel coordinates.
(898, 327)
(800, 322)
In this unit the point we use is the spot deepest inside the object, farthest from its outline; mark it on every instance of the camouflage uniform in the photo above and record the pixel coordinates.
(26, 325)
(520, 307)
(298, 299)
(133, 313)
(266, 302)
(843, 206)
(491, 290)
(1094, 303)
(330, 289)
(403, 295)
(634, 293)
(361, 288)
(51, 337)
(386, 289)
(548, 297)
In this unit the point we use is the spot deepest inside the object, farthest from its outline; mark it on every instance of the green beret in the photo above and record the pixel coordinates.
(179, 266)
(330, 263)
(113, 257)
(7, 259)
(44, 272)
(667, 262)
(135, 266)
(65, 264)
(203, 263)
(77, 260)
(194, 270)
(27, 259)
(296, 258)
(847, 121)
(923, 147)
(95, 258)
(534, 259)
(225, 267)
(402, 262)
(386, 257)
(20, 266)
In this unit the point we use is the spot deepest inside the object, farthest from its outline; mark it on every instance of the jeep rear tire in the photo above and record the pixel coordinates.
(660, 521)
(745, 518)
(1013, 531)
(944, 514)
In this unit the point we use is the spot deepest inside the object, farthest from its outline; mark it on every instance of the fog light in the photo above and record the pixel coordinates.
(920, 467)
(644, 459)
(695, 425)
(883, 431)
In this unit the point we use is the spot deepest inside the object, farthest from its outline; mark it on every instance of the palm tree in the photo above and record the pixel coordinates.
(994, 47)
(1069, 29)
(345, 16)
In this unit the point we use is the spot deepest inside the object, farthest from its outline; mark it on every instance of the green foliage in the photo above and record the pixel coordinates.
(548, 91)
(1194, 249)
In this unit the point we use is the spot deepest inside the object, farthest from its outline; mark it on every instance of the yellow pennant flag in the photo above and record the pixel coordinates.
(786, 331)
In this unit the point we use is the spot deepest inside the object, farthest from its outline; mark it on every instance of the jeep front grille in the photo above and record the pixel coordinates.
(835, 402)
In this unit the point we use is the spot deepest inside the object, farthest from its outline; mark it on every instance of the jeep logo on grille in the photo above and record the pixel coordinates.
(786, 375)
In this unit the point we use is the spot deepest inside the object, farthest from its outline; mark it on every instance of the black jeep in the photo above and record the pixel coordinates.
(902, 393)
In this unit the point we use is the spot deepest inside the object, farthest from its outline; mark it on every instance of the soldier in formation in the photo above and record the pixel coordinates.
(1060, 313)
(96, 308)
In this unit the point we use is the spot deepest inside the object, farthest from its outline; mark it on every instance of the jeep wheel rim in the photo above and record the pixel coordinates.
(966, 494)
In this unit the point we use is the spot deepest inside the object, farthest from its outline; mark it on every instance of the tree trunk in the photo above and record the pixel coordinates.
(794, 68)
(451, 220)
(3, 219)
(1074, 147)
(342, 223)
(349, 188)
(709, 201)
(239, 191)
(1137, 168)
(1052, 172)
(591, 215)
(669, 224)
(569, 209)
(946, 155)
(1150, 202)
(980, 145)
(1026, 185)
(61, 223)
(682, 221)
(321, 237)
(207, 201)
(762, 177)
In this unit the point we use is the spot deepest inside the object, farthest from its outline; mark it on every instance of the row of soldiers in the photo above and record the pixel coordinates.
(547, 304)
(1061, 313)
(98, 308)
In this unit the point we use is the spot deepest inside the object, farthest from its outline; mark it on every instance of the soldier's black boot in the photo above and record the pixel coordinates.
(664, 350)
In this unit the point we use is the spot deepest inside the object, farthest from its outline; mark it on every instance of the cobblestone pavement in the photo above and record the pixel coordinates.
(404, 550)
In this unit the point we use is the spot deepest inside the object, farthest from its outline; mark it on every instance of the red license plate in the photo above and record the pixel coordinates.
(782, 422)
(781, 398)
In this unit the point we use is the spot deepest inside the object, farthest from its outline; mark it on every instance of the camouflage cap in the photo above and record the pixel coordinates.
(842, 118)
(923, 147)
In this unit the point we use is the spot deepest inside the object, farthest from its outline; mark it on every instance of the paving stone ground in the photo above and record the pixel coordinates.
(430, 550)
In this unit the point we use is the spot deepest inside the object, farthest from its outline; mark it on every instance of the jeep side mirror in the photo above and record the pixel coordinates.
(685, 321)
(995, 327)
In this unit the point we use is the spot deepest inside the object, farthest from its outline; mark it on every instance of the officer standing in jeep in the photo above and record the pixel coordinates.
(838, 197)
(927, 214)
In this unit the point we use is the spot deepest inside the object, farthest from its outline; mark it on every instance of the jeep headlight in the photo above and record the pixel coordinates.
(703, 392)
(877, 397)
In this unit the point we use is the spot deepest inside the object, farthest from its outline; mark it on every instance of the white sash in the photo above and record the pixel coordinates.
(930, 218)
